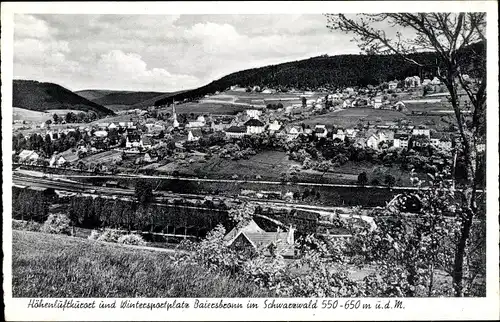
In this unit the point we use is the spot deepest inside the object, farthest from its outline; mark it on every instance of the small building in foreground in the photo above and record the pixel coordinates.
(251, 237)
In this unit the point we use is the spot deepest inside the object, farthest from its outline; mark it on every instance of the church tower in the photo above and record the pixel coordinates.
(176, 123)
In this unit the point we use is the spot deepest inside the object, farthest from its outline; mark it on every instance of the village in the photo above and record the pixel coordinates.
(158, 135)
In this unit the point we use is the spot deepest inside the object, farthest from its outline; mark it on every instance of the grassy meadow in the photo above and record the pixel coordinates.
(352, 116)
(58, 266)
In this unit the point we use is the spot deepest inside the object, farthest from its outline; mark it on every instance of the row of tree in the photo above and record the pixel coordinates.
(71, 117)
(46, 144)
(93, 213)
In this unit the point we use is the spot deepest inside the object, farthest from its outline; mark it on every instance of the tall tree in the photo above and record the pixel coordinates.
(460, 65)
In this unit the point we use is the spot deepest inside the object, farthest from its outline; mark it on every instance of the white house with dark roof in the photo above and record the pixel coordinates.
(254, 126)
(236, 131)
(320, 131)
(401, 140)
(377, 102)
(194, 135)
(339, 134)
(134, 140)
(293, 132)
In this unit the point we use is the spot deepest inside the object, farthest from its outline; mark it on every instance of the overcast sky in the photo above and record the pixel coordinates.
(163, 52)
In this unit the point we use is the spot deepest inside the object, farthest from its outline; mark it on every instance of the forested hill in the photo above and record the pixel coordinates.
(323, 71)
(118, 100)
(37, 96)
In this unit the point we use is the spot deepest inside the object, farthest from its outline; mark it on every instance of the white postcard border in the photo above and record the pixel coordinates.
(425, 309)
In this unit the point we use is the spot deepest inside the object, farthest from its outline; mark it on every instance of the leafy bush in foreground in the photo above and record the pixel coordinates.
(94, 235)
(131, 239)
(57, 224)
(109, 235)
(25, 225)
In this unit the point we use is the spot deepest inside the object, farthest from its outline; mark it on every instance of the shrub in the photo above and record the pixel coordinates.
(94, 235)
(109, 235)
(57, 224)
(25, 225)
(131, 239)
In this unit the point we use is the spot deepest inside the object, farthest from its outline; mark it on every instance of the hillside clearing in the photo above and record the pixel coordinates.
(59, 266)
(28, 115)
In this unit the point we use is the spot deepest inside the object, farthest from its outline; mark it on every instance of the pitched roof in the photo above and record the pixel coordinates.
(259, 238)
(401, 136)
(26, 153)
(236, 129)
(69, 155)
(254, 122)
(250, 227)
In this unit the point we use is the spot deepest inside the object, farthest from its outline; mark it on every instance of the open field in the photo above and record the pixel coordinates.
(205, 108)
(117, 118)
(427, 106)
(27, 131)
(102, 157)
(53, 266)
(268, 165)
(352, 116)
(28, 115)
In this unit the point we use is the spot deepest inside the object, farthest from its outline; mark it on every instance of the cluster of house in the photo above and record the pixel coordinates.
(253, 121)
(373, 137)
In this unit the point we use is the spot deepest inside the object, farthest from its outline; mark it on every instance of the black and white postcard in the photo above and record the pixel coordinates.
(247, 161)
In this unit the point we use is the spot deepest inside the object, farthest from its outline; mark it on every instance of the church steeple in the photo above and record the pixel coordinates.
(176, 123)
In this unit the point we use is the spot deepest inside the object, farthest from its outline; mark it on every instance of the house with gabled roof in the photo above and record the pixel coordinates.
(67, 157)
(194, 135)
(221, 124)
(28, 156)
(373, 141)
(401, 140)
(134, 139)
(339, 134)
(254, 126)
(320, 131)
(236, 131)
(351, 133)
(293, 131)
(113, 125)
(151, 156)
(252, 237)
